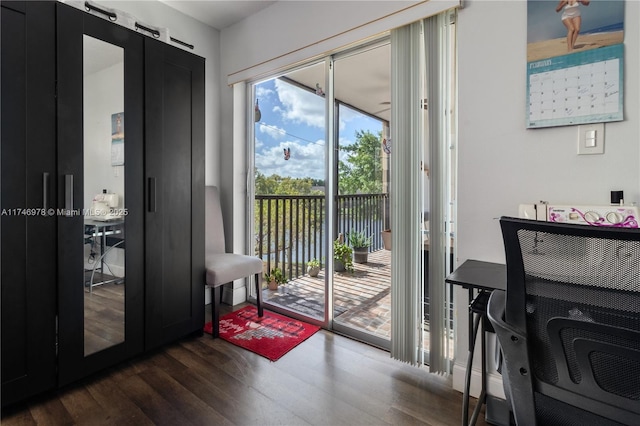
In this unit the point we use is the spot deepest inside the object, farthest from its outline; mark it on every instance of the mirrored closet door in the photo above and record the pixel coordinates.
(100, 148)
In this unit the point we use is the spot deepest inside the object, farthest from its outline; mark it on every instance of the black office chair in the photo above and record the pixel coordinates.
(569, 323)
(223, 267)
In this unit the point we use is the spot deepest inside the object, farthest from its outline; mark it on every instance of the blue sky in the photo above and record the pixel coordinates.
(293, 118)
(544, 23)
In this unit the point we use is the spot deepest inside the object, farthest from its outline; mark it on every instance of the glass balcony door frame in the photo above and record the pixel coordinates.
(331, 183)
(251, 190)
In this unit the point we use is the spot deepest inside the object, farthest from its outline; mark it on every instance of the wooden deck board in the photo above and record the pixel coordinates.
(363, 295)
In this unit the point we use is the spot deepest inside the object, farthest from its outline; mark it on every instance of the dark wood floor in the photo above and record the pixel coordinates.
(327, 380)
(103, 315)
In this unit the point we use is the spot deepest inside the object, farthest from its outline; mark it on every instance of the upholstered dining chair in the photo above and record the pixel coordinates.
(222, 267)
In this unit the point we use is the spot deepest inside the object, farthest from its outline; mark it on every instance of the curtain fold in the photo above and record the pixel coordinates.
(406, 195)
(423, 65)
(440, 94)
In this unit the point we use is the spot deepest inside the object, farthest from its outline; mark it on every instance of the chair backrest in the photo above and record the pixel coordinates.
(574, 293)
(214, 226)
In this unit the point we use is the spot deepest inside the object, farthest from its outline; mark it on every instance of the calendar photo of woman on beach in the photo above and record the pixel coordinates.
(556, 28)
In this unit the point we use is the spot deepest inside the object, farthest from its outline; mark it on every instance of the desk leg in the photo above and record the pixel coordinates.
(475, 326)
(474, 320)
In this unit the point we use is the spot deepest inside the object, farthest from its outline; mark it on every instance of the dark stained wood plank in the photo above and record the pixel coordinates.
(17, 416)
(229, 396)
(327, 380)
(190, 405)
(159, 410)
(83, 408)
(51, 412)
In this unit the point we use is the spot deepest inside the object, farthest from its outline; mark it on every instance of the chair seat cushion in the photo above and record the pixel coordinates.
(223, 268)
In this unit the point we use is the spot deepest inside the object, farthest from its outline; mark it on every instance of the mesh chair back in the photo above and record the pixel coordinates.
(574, 290)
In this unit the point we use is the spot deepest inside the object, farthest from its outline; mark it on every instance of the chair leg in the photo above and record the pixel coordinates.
(216, 293)
(259, 296)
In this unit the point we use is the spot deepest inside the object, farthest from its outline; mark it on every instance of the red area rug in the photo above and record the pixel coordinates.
(271, 336)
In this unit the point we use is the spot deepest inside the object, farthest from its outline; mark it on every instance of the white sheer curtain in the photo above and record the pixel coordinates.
(406, 194)
(416, 49)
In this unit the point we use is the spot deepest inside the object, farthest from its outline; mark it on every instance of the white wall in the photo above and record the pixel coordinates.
(206, 41)
(103, 96)
(501, 163)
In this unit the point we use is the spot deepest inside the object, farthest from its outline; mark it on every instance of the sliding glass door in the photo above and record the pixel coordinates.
(362, 289)
(320, 184)
(328, 159)
(290, 191)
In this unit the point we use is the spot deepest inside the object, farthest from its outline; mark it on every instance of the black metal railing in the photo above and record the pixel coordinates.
(290, 229)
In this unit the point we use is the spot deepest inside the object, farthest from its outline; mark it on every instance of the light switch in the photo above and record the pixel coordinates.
(591, 139)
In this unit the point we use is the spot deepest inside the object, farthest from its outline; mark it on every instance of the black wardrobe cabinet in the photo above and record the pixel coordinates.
(43, 174)
(28, 265)
(174, 222)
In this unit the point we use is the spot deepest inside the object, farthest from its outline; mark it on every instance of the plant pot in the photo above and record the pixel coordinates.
(338, 266)
(313, 271)
(386, 239)
(360, 254)
(273, 285)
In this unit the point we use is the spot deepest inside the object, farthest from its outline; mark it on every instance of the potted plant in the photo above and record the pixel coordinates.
(275, 278)
(342, 255)
(313, 267)
(360, 243)
(386, 239)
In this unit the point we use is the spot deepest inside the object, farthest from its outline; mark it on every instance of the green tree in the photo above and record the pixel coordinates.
(279, 185)
(279, 222)
(362, 172)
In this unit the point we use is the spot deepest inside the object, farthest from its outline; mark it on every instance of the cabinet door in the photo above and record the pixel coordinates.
(174, 135)
(28, 252)
(100, 149)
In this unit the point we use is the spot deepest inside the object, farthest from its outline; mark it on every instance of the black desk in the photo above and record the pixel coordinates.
(480, 278)
(102, 229)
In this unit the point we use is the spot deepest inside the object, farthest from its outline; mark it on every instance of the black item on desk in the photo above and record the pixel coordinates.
(617, 197)
(569, 323)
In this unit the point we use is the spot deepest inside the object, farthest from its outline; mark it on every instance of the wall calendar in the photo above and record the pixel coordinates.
(575, 55)
(578, 88)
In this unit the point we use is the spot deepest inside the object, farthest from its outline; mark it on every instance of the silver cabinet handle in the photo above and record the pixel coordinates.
(152, 195)
(68, 194)
(45, 191)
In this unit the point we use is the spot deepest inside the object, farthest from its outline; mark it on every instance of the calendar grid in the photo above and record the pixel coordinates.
(584, 87)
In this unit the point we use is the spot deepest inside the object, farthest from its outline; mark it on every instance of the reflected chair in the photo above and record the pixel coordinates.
(222, 267)
(569, 323)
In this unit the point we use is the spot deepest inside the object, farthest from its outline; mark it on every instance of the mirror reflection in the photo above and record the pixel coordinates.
(104, 213)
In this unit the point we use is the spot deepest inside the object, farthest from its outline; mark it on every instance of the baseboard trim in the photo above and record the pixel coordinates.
(494, 382)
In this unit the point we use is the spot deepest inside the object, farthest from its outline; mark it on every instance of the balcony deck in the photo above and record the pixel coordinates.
(362, 297)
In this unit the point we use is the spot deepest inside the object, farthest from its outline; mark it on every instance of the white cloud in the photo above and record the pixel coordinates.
(263, 92)
(274, 131)
(258, 144)
(300, 106)
(306, 160)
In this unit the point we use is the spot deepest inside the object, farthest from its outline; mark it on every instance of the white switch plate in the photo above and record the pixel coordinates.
(586, 144)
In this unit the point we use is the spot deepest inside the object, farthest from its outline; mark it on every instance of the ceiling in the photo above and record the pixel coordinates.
(218, 14)
(361, 80)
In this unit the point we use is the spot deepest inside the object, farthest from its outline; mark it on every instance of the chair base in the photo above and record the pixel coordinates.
(216, 297)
